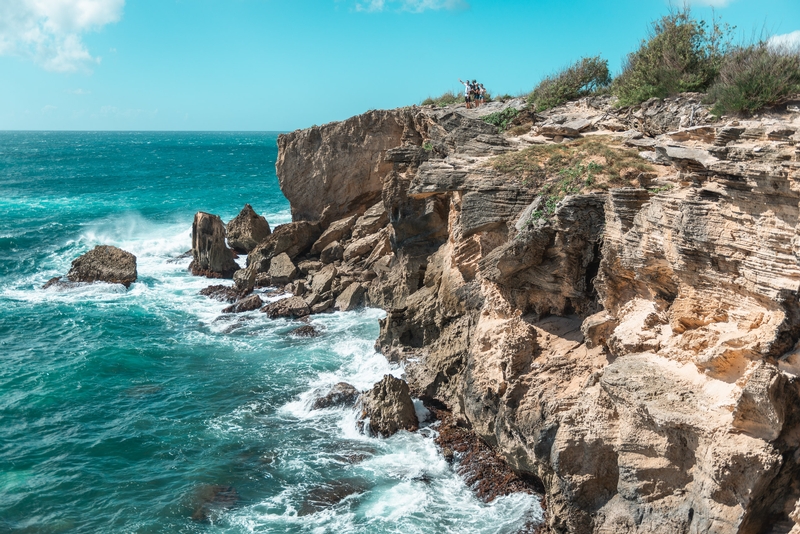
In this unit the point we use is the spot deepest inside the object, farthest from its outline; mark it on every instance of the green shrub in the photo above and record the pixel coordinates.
(444, 99)
(680, 54)
(754, 77)
(579, 79)
(501, 118)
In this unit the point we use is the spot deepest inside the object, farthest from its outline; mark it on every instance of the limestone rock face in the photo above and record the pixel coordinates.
(337, 167)
(389, 407)
(104, 263)
(247, 230)
(211, 256)
(634, 347)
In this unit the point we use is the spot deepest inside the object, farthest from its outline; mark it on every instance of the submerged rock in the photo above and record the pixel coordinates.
(342, 394)
(247, 230)
(305, 331)
(222, 293)
(211, 256)
(389, 408)
(211, 500)
(103, 263)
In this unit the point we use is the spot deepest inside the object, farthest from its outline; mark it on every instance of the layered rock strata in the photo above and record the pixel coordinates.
(630, 347)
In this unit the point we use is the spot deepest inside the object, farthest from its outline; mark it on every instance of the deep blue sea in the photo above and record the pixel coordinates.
(127, 410)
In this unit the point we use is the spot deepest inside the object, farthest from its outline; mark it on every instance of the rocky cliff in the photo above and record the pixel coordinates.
(608, 297)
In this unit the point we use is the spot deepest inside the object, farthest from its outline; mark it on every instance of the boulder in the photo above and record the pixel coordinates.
(247, 230)
(333, 252)
(253, 302)
(373, 220)
(322, 306)
(351, 298)
(362, 247)
(322, 280)
(211, 256)
(342, 394)
(388, 408)
(104, 263)
(281, 269)
(245, 279)
(293, 239)
(309, 266)
(222, 293)
(337, 231)
(289, 307)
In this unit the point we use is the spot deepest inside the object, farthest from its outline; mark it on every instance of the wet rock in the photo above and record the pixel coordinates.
(331, 253)
(305, 331)
(342, 394)
(222, 293)
(247, 230)
(351, 298)
(211, 256)
(104, 264)
(329, 495)
(55, 282)
(281, 269)
(322, 306)
(289, 307)
(212, 500)
(262, 280)
(388, 408)
(253, 302)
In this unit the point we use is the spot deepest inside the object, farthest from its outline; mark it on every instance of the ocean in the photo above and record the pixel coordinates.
(149, 410)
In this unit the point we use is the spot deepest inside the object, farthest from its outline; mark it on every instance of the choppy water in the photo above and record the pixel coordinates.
(120, 410)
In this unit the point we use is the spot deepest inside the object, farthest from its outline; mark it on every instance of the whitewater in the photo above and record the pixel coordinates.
(129, 410)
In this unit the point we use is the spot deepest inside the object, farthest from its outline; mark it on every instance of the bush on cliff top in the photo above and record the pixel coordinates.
(755, 77)
(680, 54)
(501, 119)
(580, 79)
(445, 99)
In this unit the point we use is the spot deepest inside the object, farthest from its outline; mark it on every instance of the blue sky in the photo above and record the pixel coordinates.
(286, 64)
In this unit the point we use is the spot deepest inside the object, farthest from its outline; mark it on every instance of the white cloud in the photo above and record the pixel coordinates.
(48, 109)
(415, 6)
(79, 92)
(49, 31)
(787, 41)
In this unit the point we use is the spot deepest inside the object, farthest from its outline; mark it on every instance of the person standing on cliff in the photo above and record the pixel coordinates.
(467, 92)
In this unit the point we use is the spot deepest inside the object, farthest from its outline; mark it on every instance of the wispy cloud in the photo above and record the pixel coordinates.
(414, 6)
(786, 41)
(49, 31)
(78, 91)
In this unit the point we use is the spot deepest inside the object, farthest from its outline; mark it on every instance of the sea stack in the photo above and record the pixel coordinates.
(211, 256)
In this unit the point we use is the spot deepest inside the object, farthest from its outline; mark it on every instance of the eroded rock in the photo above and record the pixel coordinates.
(342, 394)
(292, 307)
(104, 263)
(211, 256)
(247, 230)
(389, 408)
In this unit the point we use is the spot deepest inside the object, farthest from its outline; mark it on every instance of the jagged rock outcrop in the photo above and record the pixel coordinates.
(387, 408)
(632, 346)
(104, 263)
(247, 230)
(211, 257)
(291, 307)
(253, 302)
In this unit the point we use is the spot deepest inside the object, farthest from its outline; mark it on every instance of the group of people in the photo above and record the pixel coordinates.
(473, 93)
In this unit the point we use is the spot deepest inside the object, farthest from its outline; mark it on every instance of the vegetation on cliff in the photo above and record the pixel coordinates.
(680, 54)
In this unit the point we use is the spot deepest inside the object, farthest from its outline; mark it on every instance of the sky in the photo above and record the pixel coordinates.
(279, 65)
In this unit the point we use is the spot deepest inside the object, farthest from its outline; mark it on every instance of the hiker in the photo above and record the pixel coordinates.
(467, 92)
(481, 93)
(476, 93)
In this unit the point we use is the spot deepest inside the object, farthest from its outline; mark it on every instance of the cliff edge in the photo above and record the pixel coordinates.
(608, 297)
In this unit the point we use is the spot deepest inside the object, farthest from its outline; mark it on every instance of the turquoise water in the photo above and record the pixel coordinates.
(121, 411)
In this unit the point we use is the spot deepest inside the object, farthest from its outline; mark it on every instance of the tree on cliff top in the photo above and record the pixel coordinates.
(680, 54)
